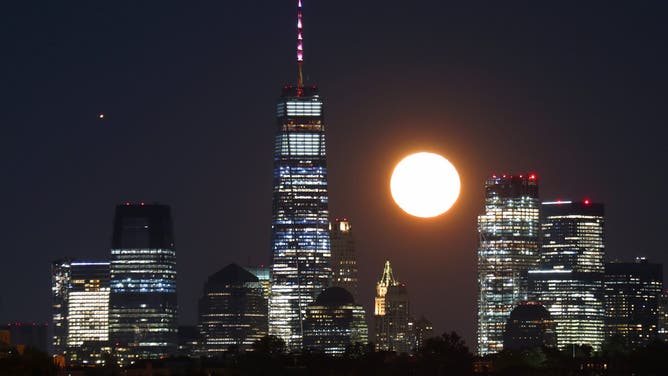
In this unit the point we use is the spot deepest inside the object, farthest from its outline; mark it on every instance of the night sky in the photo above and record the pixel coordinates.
(575, 92)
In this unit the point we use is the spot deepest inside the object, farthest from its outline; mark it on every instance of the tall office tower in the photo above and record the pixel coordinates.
(60, 281)
(508, 248)
(142, 304)
(300, 267)
(232, 311)
(632, 294)
(662, 330)
(529, 325)
(334, 322)
(392, 314)
(421, 330)
(386, 280)
(396, 319)
(88, 312)
(569, 280)
(344, 260)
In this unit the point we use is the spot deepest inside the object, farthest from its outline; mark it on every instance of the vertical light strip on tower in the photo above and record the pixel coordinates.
(300, 50)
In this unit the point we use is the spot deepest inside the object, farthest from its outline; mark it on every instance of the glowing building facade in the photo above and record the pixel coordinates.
(232, 311)
(60, 281)
(143, 307)
(508, 249)
(88, 312)
(300, 267)
(632, 301)
(334, 322)
(569, 280)
(392, 314)
(344, 260)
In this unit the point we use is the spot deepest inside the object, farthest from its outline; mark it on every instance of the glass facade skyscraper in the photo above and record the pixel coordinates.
(232, 311)
(88, 312)
(60, 282)
(344, 259)
(569, 280)
(334, 322)
(508, 249)
(300, 267)
(143, 307)
(632, 293)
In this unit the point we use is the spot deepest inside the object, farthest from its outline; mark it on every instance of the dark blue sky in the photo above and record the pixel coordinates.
(573, 91)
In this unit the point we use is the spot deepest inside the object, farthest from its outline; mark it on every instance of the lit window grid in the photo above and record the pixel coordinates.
(147, 325)
(300, 238)
(632, 306)
(235, 315)
(88, 317)
(575, 302)
(60, 279)
(574, 242)
(333, 329)
(508, 249)
(344, 259)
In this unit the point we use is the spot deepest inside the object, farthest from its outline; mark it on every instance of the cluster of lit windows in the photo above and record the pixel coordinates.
(569, 280)
(300, 238)
(143, 305)
(310, 106)
(332, 329)
(301, 144)
(60, 279)
(344, 260)
(234, 314)
(575, 303)
(88, 316)
(632, 301)
(508, 248)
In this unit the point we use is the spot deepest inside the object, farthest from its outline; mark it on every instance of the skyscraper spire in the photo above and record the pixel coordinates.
(300, 50)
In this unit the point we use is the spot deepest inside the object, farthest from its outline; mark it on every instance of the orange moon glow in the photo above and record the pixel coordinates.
(425, 185)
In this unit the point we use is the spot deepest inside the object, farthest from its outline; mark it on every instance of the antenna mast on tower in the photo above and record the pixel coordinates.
(300, 50)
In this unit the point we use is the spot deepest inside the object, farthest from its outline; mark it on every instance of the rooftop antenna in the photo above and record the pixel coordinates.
(300, 50)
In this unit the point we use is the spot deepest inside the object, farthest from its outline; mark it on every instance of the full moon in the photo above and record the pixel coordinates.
(425, 185)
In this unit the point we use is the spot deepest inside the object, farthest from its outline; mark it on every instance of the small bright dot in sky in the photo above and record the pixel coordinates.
(425, 185)
(101, 116)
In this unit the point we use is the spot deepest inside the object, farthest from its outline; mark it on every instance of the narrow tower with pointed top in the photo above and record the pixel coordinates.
(300, 266)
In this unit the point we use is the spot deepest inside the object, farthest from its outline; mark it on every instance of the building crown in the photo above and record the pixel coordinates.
(388, 278)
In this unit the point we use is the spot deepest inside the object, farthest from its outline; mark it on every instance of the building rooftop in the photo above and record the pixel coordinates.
(232, 273)
(334, 296)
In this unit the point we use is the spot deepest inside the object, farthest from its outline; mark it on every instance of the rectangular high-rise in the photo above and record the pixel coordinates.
(569, 280)
(632, 294)
(60, 281)
(508, 249)
(88, 312)
(344, 259)
(143, 307)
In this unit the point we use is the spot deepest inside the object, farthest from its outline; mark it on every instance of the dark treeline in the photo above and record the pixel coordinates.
(444, 355)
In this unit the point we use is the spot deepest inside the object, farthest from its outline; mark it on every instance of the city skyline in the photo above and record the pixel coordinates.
(174, 128)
